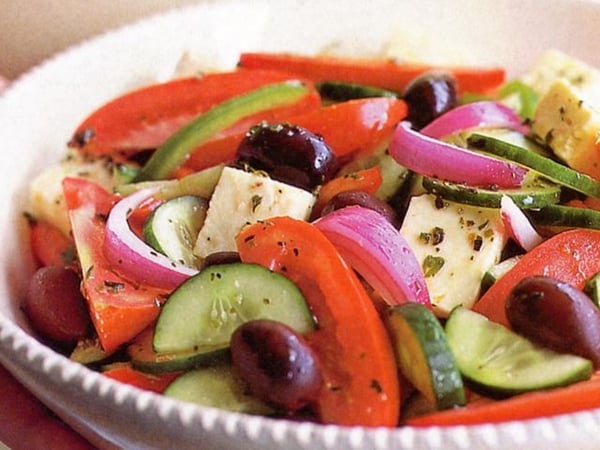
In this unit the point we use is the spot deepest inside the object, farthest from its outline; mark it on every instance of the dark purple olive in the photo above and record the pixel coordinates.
(55, 306)
(276, 363)
(224, 257)
(429, 96)
(360, 198)
(555, 315)
(288, 153)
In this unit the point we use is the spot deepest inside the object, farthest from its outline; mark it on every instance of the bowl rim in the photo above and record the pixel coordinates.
(19, 347)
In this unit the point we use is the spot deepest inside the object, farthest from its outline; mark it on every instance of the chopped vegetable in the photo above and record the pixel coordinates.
(270, 251)
(148, 382)
(145, 118)
(577, 397)
(367, 180)
(383, 73)
(484, 114)
(357, 361)
(376, 250)
(119, 308)
(518, 225)
(570, 256)
(433, 158)
(424, 356)
(177, 148)
(132, 257)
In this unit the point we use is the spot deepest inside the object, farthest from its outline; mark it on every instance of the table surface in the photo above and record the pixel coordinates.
(28, 37)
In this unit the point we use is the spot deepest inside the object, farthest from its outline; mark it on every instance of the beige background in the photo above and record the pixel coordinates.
(32, 30)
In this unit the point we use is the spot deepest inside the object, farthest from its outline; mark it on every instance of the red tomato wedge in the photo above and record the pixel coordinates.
(371, 121)
(146, 117)
(361, 381)
(577, 397)
(49, 245)
(148, 382)
(570, 256)
(383, 73)
(120, 309)
(367, 180)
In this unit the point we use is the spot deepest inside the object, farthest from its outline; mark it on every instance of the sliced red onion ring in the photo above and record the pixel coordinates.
(474, 115)
(518, 225)
(132, 257)
(434, 158)
(378, 252)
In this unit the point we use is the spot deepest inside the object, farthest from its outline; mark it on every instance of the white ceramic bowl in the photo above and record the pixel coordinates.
(39, 112)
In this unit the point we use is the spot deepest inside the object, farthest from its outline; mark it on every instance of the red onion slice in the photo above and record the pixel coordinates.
(518, 225)
(132, 257)
(474, 115)
(434, 158)
(378, 252)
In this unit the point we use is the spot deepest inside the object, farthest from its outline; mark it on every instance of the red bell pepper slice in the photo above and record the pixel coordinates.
(570, 256)
(49, 245)
(383, 73)
(120, 309)
(146, 117)
(371, 120)
(361, 384)
(367, 180)
(577, 397)
(148, 382)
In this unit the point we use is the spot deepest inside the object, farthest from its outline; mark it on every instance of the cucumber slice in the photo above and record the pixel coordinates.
(144, 358)
(424, 356)
(592, 289)
(552, 170)
(207, 308)
(499, 361)
(201, 184)
(499, 269)
(566, 216)
(393, 175)
(218, 387)
(536, 194)
(173, 227)
(88, 351)
(342, 91)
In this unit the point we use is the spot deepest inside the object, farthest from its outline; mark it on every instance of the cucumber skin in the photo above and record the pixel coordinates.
(567, 216)
(481, 380)
(526, 197)
(342, 91)
(217, 386)
(547, 167)
(144, 358)
(413, 323)
(193, 316)
(174, 212)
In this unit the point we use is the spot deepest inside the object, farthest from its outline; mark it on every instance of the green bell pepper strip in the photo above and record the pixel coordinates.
(173, 153)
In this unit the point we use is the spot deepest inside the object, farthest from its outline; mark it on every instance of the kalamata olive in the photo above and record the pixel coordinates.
(224, 257)
(276, 363)
(55, 306)
(360, 198)
(288, 153)
(556, 315)
(429, 96)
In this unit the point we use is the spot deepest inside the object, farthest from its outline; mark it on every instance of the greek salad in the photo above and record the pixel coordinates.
(347, 241)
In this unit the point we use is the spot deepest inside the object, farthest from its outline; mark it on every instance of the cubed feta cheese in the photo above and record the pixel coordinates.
(46, 194)
(555, 65)
(570, 126)
(455, 244)
(242, 198)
